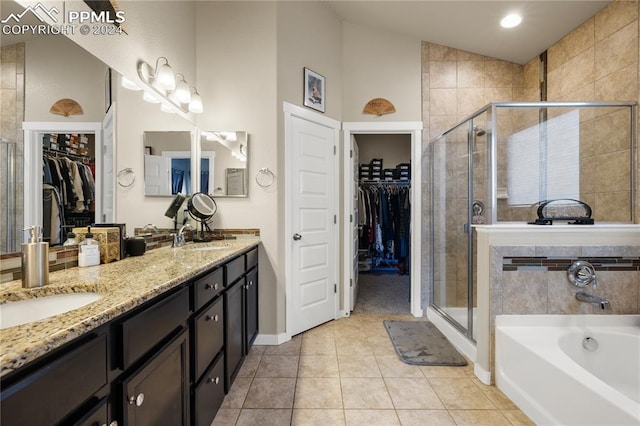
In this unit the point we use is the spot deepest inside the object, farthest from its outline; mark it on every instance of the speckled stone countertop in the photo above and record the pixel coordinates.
(124, 285)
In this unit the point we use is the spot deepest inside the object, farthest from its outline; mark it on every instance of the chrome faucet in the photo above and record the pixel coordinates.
(590, 298)
(178, 239)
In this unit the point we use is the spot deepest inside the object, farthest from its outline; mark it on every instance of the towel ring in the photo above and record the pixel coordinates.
(126, 177)
(265, 177)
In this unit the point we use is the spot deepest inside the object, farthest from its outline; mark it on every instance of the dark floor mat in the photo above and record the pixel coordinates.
(421, 343)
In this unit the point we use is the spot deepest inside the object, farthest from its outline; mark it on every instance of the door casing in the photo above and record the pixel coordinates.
(413, 128)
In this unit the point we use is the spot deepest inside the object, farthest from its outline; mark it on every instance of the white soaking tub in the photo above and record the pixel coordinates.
(571, 369)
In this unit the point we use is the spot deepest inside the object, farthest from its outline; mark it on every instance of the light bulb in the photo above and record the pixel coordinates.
(182, 92)
(195, 105)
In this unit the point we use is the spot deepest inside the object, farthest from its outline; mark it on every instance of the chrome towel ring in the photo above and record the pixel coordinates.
(126, 177)
(265, 177)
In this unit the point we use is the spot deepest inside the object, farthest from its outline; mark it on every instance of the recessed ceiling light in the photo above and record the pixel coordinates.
(510, 21)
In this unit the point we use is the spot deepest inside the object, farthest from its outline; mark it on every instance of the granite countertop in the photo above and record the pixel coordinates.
(124, 285)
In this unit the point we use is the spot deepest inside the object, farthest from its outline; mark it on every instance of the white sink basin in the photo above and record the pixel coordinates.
(29, 310)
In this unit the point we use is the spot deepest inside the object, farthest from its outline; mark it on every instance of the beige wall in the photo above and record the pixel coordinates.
(393, 149)
(57, 68)
(379, 64)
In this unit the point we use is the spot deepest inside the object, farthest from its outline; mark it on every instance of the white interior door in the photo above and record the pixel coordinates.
(313, 223)
(355, 222)
(157, 175)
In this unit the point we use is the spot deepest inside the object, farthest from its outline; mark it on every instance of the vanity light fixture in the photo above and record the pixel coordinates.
(511, 20)
(172, 90)
(128, 84)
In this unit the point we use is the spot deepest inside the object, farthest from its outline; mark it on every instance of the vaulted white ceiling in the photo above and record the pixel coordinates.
(474, 26)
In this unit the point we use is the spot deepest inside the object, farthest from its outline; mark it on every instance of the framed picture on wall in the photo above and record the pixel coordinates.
(314, 90)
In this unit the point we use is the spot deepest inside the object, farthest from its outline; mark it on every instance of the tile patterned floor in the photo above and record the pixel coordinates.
(346, 372)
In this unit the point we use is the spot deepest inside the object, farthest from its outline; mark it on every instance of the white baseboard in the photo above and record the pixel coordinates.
(483, 375)
(271, 339)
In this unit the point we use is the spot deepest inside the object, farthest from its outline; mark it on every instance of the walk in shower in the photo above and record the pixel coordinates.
(498, 164)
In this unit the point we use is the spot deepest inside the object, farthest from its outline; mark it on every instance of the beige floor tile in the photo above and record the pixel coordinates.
(292, 347)
(517, 418)
(391, 366)
(425, 418)
(321, 344)
(238, 392)
(412, 393)
(278, 366)
(371, 417)
(367, 393)
(479, 417)
(250, 365)
(359, 346)
(460, 394)
(497, 398)
(312, 417)
(252, 417)
(256, 350)
(226, 417)
(271, 392)
(314, 392)
(322, 331)
(318, 366)
(358, 366)
(434, 372)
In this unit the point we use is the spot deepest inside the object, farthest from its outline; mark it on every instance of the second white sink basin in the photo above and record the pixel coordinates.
(29, 310)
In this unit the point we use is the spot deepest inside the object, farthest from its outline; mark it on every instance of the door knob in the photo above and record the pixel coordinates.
(297, 237)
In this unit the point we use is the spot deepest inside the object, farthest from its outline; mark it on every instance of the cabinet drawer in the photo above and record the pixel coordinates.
(208, 336)
(209, 394)
(252, 258)
(207, 287)
(147, 328)
(234, 269)
(49, 394)
(98, 415)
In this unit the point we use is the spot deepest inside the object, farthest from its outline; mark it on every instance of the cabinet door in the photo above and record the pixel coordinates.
(209, 394)
(233, 336)
(208, 337)
(158, 392)
(251, 309)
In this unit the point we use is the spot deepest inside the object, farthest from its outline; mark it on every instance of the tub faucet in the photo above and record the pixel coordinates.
(590, 298)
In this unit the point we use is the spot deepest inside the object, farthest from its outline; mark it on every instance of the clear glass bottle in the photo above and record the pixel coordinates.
(71, 239)
(88, 250)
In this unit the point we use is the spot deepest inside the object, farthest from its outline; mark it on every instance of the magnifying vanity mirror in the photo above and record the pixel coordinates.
(167, 163)
(223, 163)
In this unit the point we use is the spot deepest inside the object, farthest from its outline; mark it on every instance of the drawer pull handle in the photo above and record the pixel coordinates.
(209, 286)
(138, 400)
(114, 423)
(209, 318)
(212, 380)
(250, 283)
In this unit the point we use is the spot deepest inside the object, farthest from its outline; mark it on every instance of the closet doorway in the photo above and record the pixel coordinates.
(382, 241)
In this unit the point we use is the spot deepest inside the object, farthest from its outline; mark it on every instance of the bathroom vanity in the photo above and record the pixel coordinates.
(161, 346)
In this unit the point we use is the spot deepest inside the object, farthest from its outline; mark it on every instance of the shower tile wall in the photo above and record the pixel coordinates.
(598, 61)
(455, 84)
(11, 118)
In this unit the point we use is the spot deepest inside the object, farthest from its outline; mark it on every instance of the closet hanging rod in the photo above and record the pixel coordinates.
(385, 183)
(57, 152)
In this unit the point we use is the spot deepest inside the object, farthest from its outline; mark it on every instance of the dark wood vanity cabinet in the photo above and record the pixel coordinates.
(169, 361)
(157, 393)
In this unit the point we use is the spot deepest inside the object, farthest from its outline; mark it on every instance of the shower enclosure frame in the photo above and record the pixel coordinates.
(491, 206)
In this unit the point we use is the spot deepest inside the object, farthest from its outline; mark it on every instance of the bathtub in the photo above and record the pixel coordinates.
(541, 364)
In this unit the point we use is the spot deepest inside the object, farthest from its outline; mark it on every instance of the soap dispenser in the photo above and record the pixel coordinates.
(88, 250)
(35, 259)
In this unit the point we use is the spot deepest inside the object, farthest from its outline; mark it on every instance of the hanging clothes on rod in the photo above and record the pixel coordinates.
(384, 223)
(68, 190)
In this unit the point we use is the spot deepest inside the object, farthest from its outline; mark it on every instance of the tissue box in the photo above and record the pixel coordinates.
(108, 241)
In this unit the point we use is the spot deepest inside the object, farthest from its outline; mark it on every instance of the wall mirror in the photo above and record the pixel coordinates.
(167, 163)
(223, 163)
